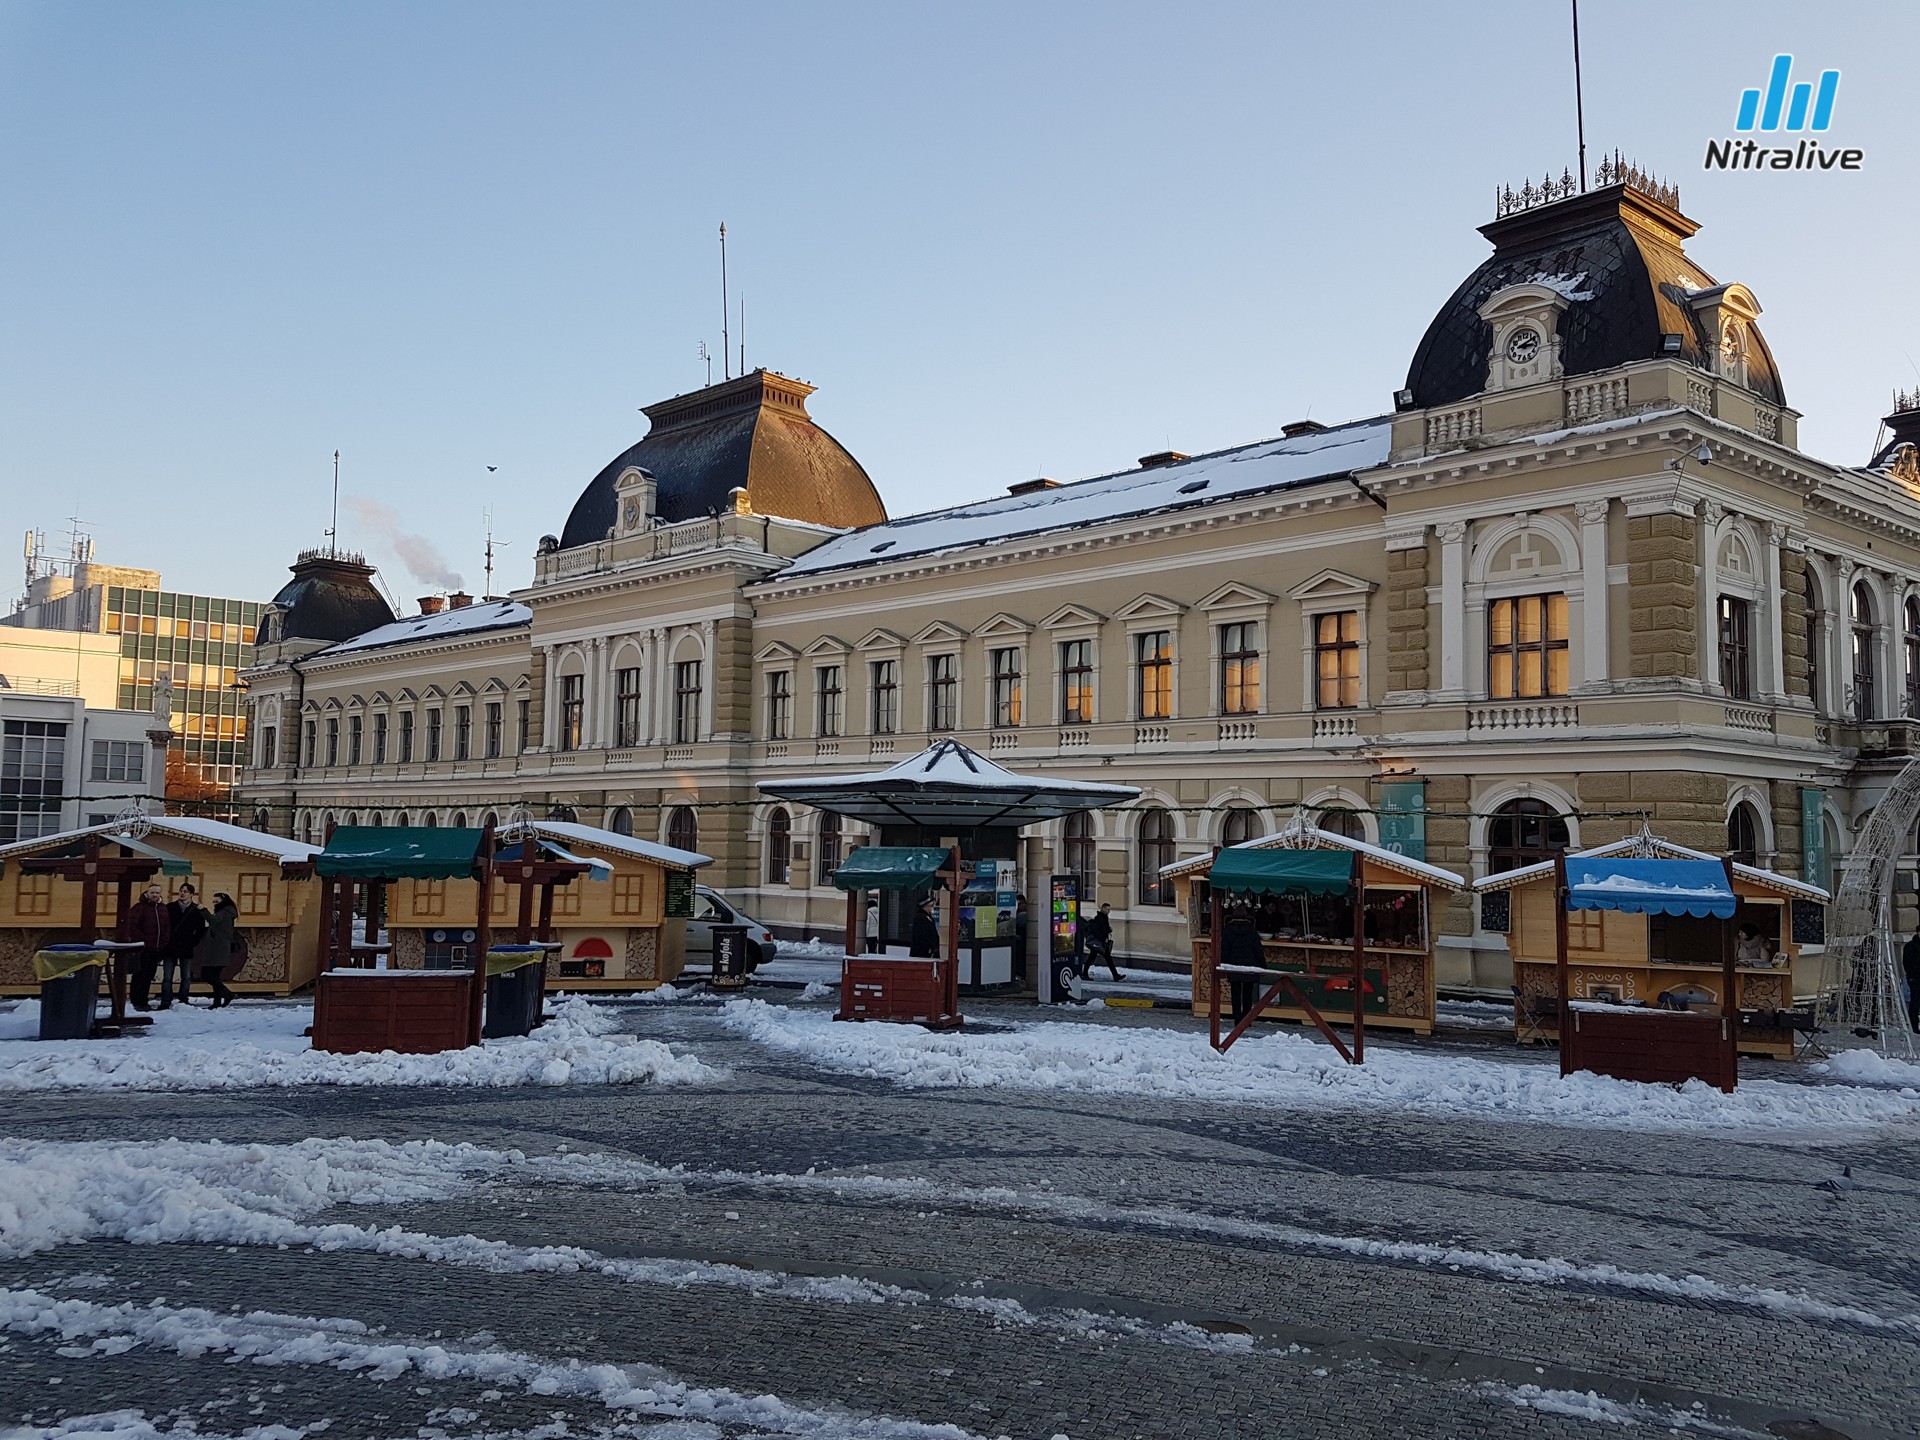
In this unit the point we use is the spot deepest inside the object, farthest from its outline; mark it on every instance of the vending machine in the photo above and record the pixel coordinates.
(1062, 968)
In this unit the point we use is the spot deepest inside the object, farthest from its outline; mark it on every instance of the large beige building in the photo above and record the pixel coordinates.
(1579, 574)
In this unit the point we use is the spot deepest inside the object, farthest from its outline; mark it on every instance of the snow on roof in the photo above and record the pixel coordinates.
(467, 620)
(187, 827)
(1656, 848)
(948, 763)
(624, 844)
(1301, 836)
(1248, 470)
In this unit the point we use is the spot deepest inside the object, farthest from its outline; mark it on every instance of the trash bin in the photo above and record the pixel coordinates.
(513, 991)
(729, 957)
(67, 999)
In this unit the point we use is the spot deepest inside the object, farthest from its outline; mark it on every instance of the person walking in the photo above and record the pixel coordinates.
(1021, 940)
(186, 924)
(873, 927)
(148, 922)
(1099, 940)
(1910, 962)
(216, 948)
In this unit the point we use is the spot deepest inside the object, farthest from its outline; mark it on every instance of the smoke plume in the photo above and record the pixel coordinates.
(420, 555)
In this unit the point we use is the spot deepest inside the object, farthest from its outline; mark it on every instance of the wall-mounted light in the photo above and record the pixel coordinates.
(1403, 399)
(1670, 344)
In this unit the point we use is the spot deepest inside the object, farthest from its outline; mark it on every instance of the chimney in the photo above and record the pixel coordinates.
(1163, 457)
(459, 600)
(432, 604)
(1031, 487)
(1294, 429)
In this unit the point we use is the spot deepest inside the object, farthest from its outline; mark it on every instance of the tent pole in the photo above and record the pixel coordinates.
(953, 936)
(483, 938)
(1729, 1011)
(1359, 962)
(1560, 961)
(1216, 919)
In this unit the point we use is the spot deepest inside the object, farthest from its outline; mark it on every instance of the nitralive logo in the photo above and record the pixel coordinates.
(1786, 108)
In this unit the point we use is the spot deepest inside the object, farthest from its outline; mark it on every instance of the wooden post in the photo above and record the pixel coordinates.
(1565, 1022)
(1359, 960)
(329, 897)
(1729, 1011)
(953, 935)
(343, 921)
(854, 914)
(523, 931)
(545, 931)
(483, 937)
(89, 897)
(1217, 920)
(370, 927)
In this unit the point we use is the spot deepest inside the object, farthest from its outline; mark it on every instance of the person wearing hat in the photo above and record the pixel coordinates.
(216, 948)
(924, 941)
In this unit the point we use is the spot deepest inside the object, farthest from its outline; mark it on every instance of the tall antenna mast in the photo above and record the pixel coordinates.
(707, 356)
(333, 530)
(743, 333)
(1579, 104)
(726, 350)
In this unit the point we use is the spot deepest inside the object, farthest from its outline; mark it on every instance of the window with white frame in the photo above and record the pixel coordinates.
(779, 705)
(626, 691)
(1239, 668)
(1006, 687)
(1527, 647)
(828, 696)
(1153, 675)
(1076, 682)
(1736, 647)
(686, 702)
(943, 692)
(121, 762)
(380, 738)
(883, 684)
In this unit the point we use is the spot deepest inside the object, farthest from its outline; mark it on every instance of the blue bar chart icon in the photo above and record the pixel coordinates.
(1806, 106)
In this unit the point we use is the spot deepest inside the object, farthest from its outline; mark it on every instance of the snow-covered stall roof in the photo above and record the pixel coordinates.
(467, 620)
(1250, 469)
(1299, 834)
(187, 827)
(578, 834)
(949, 785)
(1655, 848)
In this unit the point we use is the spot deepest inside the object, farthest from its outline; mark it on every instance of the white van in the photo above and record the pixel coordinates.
(710, 910)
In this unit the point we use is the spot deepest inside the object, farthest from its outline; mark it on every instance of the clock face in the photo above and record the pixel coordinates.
(1523, 345)
(630, 515)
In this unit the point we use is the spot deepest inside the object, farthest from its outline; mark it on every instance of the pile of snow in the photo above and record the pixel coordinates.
(1869, 1067)
(248, 1046)
(1293, 1071)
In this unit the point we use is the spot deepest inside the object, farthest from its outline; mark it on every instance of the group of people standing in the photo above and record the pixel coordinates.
(181, 936)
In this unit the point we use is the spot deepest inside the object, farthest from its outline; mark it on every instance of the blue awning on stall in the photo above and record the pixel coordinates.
(1649, 887)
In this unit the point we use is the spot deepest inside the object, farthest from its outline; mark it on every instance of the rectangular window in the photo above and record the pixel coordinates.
(1736, 655)
(462, 732)
(433, 734)
(119, 761)
(626, 690)
(827, 698)
(33, 895)
(356, 726)
(1527, 647)
(573, 710)
(495, 725)
(686, 702)
(1006, 688)
(256, 892)
(943, 692)
(429, 896)
(269, 746)
(1076, 682)
(779, 705)
(33, 763)
(333, 740)
(629, 894)
(1240, 669)
(406, 737)
(380, 738)
(308, 760)
(1336, 660)
(523, 710)
(1153, 661)
(886, 696)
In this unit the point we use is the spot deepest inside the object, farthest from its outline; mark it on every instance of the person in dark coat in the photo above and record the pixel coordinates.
(1098, 937)
(924, 941)
(1910, 962)
(1021, 939)
(216, 948)
(148, 922)
(1240, 945)
(187, 923)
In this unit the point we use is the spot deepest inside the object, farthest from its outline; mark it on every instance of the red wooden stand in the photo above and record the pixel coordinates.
(1661, 1046)
(413, 1012)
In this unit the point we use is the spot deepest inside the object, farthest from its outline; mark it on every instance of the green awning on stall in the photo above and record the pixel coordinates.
(392, 852)
(1240, 871)
(891, 867)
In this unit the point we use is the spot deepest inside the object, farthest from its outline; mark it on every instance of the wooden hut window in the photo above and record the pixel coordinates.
(429, 897)
(33, 895)
(1395, 918)
(566, 898)
(255, 895)
(629, 894)
(1586, 930)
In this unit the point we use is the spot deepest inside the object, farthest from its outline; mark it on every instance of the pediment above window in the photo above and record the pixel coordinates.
(939, 632)
(882, 639)
(1332, 585)
(775, 652)
(1235, 596)
(1151, 607)
(1072, 615)
(828, 645)
(1004, 624)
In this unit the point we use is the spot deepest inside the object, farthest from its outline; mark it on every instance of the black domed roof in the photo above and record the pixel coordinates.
(331, 597)
(752, 434)
(1616, 254)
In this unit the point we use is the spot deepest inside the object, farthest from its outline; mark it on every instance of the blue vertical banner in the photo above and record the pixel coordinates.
(1813, 836)
(1403, 817)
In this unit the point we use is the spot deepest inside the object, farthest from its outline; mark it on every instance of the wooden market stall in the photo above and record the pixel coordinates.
(1648, 926)
(1310, 931)
(43, 901)
(919, 990)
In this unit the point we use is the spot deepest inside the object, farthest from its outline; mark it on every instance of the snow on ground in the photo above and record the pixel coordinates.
(804, 962)
(263, 1045)
(1869, 1067)
(1293, 1071)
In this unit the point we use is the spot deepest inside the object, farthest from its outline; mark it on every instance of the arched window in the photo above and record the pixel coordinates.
(1240, 824)
(1077, 850)
(1863, 676)
(829, 844)
(1156, 852)
(1523, 832)
(261, 820)
(1345, 823)
(621, 821)
(1913, 656)
(1814, 671)
(460, 820)
(490, 820)
(1743, 834)
(563, 813)
(683, 828)
(373, 820)
(430, 821)
(351, 819)
(401, 820)
(779, 847)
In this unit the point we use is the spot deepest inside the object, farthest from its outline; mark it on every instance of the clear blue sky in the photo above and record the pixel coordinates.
(1002, 240)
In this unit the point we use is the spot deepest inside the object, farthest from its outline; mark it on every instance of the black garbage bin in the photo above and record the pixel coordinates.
(729, 956)
(67, 1004)
(513, 1001)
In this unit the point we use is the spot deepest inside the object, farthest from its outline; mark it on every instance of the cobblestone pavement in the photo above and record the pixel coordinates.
(1084, 1267)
